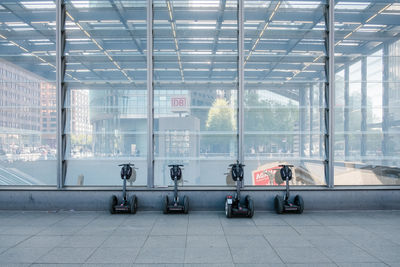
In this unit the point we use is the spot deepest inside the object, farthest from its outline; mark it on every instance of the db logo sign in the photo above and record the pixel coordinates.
(178, 102)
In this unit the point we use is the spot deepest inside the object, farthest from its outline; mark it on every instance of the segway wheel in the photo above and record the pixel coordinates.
(298, 200)
(165, 205)
(250, 207)
(228, 209)
(113, 203)
(278, 204)
(185, 204)
(133, 204)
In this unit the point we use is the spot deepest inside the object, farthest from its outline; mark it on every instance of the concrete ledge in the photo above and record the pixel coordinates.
(47, 199)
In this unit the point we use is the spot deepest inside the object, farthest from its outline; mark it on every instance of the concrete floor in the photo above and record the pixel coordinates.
(71, 238)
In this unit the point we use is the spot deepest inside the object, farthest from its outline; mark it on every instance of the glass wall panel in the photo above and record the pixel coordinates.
(27, 93)
(284, 85)
(367, 53)
(195, 89)
(106, 99)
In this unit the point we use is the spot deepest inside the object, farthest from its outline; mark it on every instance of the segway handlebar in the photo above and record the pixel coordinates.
(172, 165)
(283, 165)
(129, 164)
(231, 165)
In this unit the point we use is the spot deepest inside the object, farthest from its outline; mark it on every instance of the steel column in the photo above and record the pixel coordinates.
(60, 92)
(329, 91)
(150, 108)
(241, 80)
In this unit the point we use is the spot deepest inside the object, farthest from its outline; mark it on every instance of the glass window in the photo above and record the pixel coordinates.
(284, 91)
(27, 79)
(367, 151)
(195, 89)
(106, 75)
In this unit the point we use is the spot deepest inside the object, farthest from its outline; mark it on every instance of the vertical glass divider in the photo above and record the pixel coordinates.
(241, 79)
(331, 96)
(150, 108)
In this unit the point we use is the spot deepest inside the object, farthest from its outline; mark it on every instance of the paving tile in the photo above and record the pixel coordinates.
(66, 255)
(95, 230)
(302, 255)
(348, 254)
(241, 230)
(124, 241)
(315, 231)
(114, 255)
(288, 241)
(60, 230)
(299, 220)
(22, 230)
(312, 265)
(251, 255)
(161, 255)
(278, 230)
(204, 230)
(389, 254)
(11, 240)
(212, 255)
(268, 220)
(125, 230)
(331, 241)
(56, 265)
(236, 241)
(196, 241)
(165, 241)
(22, 255)
(42, 241)
(82, 241)
(169, 230)
(361, 264)
(260, 265)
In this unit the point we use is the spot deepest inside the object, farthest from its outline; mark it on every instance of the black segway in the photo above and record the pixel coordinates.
(176, 205)
(125, 204)
(234, 206)
(284, 204)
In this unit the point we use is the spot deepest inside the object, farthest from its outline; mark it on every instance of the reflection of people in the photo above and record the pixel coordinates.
(229, 180)
(138, 152)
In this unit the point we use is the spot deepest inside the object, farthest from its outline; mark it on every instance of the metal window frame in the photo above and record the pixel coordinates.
(150, 97)
(61, 90)
(241, 81)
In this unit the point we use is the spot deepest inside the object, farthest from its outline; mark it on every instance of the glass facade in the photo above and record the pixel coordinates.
(202, 106)
(367, 110)
(28, 121)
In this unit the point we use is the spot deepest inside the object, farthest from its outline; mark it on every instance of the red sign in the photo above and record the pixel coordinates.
(265, 176)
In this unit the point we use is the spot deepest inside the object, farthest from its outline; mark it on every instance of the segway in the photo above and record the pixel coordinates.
(234, 205)
(125, 204)
(176, 205)
(284, 204)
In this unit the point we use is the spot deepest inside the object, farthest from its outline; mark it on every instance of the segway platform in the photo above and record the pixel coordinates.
(124, 204)
(285, 204)
(234, 205)
(176, 204)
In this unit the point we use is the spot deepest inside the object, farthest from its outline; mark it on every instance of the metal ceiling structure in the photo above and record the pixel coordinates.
(105, 40)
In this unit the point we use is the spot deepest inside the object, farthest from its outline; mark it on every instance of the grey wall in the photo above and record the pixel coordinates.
(96, 200)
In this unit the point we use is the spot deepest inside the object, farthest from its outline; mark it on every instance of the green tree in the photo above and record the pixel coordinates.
(220, 121)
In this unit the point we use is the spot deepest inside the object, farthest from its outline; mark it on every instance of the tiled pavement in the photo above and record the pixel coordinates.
(370, 238)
